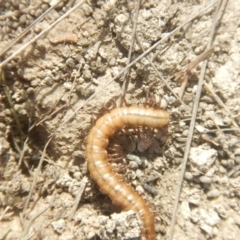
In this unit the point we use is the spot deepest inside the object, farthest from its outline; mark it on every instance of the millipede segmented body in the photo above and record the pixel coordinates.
(100, 169)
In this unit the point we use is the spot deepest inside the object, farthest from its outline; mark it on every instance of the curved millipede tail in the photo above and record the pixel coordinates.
(100, 169)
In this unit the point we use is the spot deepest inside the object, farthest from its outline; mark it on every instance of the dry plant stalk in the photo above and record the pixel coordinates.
(184, 74)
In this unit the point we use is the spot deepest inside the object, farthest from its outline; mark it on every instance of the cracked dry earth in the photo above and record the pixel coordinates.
(47, 193)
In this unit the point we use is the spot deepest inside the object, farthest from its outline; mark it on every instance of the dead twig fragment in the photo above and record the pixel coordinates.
(4, 213)
(134, 23)
(78, 197)
(233, 171)
(219, 102)
(67, 38)
(36, 176)
(22, 153)
(80, 25)
(26, 233)
(184, 74)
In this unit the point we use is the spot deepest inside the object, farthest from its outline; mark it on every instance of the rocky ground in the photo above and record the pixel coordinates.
(46, 190)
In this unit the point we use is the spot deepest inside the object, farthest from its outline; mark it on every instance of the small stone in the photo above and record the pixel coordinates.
(164, 103)
(221, 211)
(87, 9)
(188, 176)
(121, 19)
(103, 53)
(200, 128)
(132, 157)
(195, 199)
(210, 216)
(133, 165)
(67, 85)
(185, 210)
(237, 220)
(185, 133)
(139, 173)
(70, 63)
(47, 81)
(140, 189)
(58, 226)
(91, 235)
(20, 109)
(77, 175)
(206, 228)
(87, 74)
(112, 62)
(195, 217)
(213, 194)
(203, 157)
(205, 180)
(35, 82)
(30, 91)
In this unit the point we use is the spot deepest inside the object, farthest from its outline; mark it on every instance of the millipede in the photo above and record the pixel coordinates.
(100, 169)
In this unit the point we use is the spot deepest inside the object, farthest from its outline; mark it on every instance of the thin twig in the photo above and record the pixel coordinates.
(36, 175)
(78, 197)
(167, 85)
(161, 77)
(192, 124)
(26, 229)
(22, 153)
(10, 101)
(40, 34)
(4, 212)
(199, 59)
(134, 23)
(235, 169)
(28, 28)
(80, 24)
(224, 130)
(184, 74)
(219, 102)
